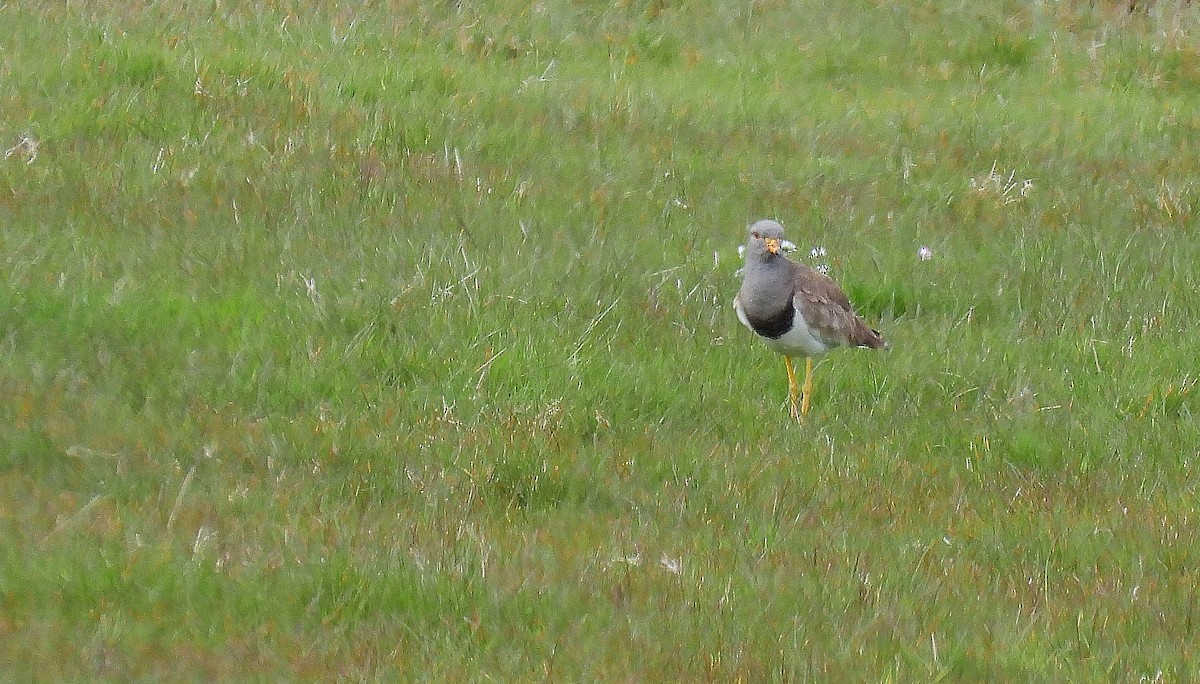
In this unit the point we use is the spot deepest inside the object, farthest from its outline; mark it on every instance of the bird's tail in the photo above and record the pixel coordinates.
(870, 339)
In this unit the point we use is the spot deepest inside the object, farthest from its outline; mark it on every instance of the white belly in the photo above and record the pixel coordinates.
(799, 341)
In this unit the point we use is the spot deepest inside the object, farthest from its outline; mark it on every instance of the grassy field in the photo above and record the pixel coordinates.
(393, 341)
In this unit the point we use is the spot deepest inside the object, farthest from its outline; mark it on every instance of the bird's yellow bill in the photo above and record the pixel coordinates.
(772, 245)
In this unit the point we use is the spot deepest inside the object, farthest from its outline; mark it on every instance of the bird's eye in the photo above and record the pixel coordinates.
(755, 235)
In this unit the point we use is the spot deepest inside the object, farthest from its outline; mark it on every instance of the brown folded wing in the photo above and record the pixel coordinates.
(828, 312)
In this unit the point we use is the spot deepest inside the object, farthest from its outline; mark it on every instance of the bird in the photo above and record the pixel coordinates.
(795, 310)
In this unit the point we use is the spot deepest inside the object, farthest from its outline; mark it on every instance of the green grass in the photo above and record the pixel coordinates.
(393, 342)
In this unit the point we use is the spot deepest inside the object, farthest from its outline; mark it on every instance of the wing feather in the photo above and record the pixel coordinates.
(828, 311)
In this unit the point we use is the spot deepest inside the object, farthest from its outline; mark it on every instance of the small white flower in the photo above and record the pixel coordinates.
(632, 559)
(823, 269)
(788, 246)
(671, 565)
(26, 146)
(817, 253)
(1005, 189)
(925, 253)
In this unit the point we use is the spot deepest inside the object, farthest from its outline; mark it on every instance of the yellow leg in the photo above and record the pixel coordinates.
(808, 366)
(793, 386)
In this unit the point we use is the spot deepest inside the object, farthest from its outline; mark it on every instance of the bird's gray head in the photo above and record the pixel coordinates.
(765, 240)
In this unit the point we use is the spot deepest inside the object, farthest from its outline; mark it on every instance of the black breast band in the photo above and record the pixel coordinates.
(775, 325)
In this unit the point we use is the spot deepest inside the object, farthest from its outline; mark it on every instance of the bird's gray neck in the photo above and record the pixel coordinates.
(767, 285)
(766, 297)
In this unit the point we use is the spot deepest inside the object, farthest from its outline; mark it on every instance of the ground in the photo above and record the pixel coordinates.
(394, 342)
